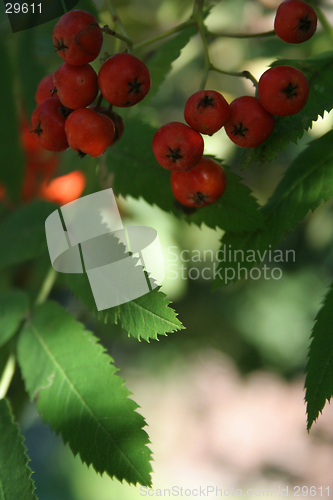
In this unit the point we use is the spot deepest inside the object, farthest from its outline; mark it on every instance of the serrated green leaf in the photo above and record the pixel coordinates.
(78, 392)
(15, 475)
(148, 316)
(145, 317)
(138, 174)
(319, 369)
(306, 184)
(319, 72)
(11, 165)
(160, 63)
(22, 233)
(14, 305)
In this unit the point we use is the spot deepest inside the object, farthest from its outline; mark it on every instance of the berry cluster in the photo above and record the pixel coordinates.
(248, 121)
(65, 115)
(196, 181)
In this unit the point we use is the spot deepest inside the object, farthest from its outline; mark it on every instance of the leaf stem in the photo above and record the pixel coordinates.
(7, 375)
(165, 34)
(46, 286)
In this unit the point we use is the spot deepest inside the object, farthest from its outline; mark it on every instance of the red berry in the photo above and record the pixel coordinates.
(250, 124)
(295, 21)
(283, 90)
(76, 85)
(45, 89)
(177, 146)
(200, 186)
(89, 132)
(64, 189)
(77, 37)
(206, 111)
(48, 122)
(118, 122)
(124, 80)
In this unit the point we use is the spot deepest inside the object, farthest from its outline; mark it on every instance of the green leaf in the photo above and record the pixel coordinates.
(159, 64)
(148, 316)
(319, 72)
(14, 306)
(22, 233)
(144, 317)
(15, 475)
(132, 158)
(78, 392)
(306, 184)
(319, 369)
(11, 165)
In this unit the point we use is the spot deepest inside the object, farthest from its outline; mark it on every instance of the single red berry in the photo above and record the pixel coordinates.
(206, 111)
(63, 189)
(48, 122)
(200, 186)
(295, 21)
(45, 89)
(77, 37)
(250, 124)
(76, 85)
(89, 132)
(118, 122)
(124, 80)
(177, 146)
(283, 90)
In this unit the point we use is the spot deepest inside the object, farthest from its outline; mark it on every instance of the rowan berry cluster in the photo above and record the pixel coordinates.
(65, 115)
(248, 121)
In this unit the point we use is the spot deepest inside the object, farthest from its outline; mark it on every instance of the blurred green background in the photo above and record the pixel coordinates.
(249, 335)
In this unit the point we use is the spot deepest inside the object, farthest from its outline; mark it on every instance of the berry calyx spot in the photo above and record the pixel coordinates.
(60, 46)
(199, 198)
(38, 130)
(290, 90)
(239, 130)
(304, 24)
(134, 86)
(174, 154)
(206, 101)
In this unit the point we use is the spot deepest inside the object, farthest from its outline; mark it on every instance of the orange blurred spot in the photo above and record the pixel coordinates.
(64, 189)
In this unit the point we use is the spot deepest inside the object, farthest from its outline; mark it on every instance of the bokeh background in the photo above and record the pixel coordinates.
(223, 398)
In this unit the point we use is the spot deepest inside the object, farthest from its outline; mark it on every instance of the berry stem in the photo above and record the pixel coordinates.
(198, 17)
(241, 35)
(124, 38)
(99, 102)
(165, 34)
(244, 74)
